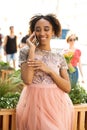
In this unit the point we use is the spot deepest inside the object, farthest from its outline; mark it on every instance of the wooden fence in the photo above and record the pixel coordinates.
(80, 121)
(8, 118)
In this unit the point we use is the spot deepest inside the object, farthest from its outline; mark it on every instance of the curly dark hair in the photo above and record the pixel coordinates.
(49, 17)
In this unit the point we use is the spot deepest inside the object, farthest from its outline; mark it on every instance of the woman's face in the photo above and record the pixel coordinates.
(43, 31)
(72, 39)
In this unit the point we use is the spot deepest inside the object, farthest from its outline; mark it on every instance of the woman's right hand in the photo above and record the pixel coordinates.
(31, 41)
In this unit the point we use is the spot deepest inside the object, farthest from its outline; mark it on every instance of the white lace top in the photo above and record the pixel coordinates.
(55, 61)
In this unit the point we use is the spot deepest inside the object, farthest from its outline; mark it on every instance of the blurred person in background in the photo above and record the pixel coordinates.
(75, 55)
(10, 47)
(1, 41)
(19, 37)
(23, 40)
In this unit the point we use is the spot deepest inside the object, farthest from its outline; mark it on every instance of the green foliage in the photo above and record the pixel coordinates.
(10, 89)
(78, 94)
(16, 79)
(5, 66)
(6, 86)
(9, 100)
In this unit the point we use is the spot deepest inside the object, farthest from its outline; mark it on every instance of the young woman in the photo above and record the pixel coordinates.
(44, 102)
(76, 59)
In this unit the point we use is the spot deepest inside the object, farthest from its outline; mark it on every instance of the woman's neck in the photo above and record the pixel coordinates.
(72, 48)
(48, 48)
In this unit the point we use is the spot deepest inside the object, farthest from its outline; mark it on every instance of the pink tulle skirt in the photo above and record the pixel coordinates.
(44, 107)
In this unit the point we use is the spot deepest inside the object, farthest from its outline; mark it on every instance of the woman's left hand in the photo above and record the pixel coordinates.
(83, 81)
(38, 65)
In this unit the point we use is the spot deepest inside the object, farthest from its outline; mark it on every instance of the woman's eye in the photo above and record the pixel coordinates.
(46, 29)
(37, 29)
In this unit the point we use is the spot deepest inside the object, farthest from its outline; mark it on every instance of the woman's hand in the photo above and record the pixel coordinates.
(31, 41)
(82, 80)
(38, 65)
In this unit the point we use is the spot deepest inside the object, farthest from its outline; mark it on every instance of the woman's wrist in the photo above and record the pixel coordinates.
(82, 79)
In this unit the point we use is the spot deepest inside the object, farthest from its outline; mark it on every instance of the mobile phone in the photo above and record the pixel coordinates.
(36, 43)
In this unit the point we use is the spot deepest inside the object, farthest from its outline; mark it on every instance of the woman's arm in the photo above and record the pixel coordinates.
(27, 71)
(80, 69)
(61, 80)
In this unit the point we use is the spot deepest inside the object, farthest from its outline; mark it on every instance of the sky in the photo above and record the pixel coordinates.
(71, 13)
(18, 12)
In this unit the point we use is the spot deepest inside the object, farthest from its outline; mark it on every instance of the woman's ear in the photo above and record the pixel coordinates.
(53, 35)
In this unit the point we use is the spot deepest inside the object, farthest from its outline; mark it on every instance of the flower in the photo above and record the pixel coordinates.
(68, 56)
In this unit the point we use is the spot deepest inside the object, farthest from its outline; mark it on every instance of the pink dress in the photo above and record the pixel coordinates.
(43, 105)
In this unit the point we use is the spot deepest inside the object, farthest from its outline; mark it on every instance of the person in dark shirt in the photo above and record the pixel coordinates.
(1, 36)
(23, 40)
(10, 46)
(1, 42)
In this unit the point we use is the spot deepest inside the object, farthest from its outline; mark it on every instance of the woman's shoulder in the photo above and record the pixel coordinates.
(59, 56)
(77, 50)
(61, 60)
(23, 54)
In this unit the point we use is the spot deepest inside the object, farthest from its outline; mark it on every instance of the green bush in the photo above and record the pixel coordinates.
(5, 66)
(78, 94)
(10, 90)
(9, 100)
